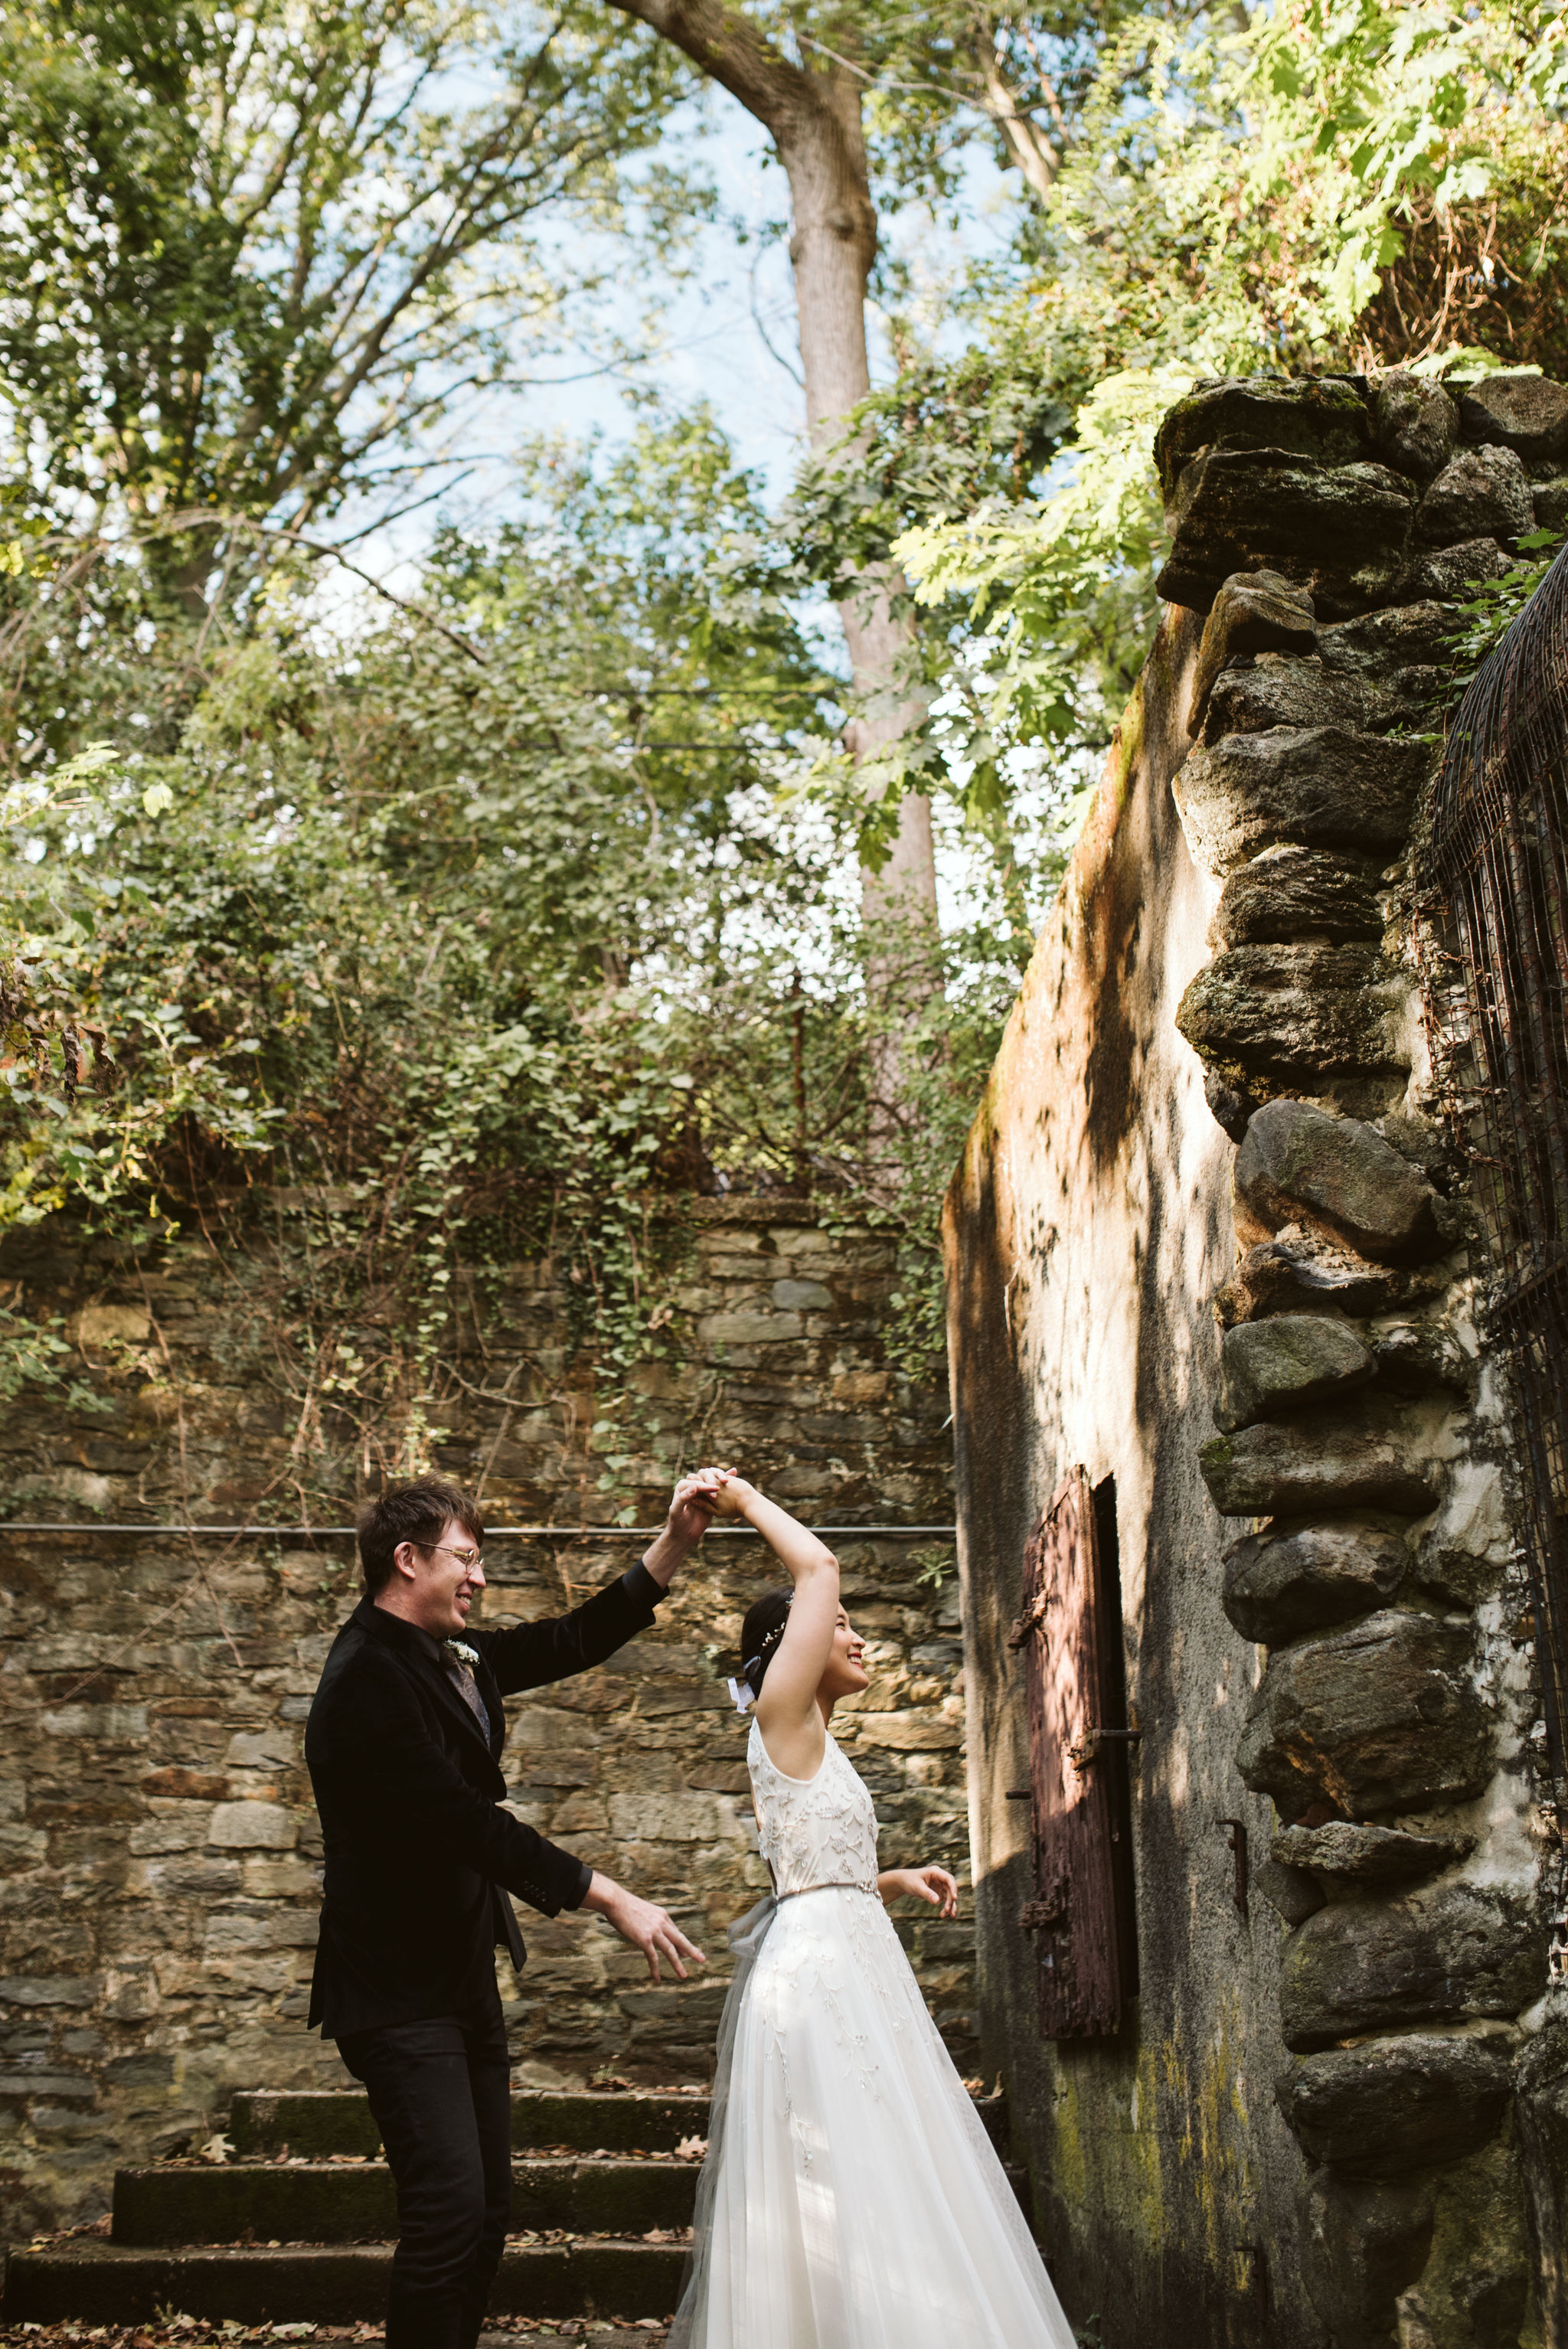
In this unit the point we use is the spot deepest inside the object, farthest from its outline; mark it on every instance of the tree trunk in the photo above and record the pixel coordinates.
(813, 118)
(832, 249)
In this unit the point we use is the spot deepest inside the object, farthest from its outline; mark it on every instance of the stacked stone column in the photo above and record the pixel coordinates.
(1326, 528)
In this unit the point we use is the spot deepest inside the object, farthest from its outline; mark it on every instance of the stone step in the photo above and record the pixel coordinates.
(347, 2202)
(316, 2122)
(179, 2228)
(94, 2283)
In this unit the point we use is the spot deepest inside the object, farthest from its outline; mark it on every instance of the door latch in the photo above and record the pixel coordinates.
(1085, 1749)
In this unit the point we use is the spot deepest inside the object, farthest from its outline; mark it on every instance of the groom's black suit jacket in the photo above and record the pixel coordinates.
(417, 1853)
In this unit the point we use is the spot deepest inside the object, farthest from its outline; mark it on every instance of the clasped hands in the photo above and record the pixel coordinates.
(697, 1499)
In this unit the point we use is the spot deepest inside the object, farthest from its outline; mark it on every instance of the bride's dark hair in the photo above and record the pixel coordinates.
(761, 1634)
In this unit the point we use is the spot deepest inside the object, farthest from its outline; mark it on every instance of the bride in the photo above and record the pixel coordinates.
(851, 2199)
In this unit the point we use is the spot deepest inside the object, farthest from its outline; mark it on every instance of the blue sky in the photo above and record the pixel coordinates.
(725, 332)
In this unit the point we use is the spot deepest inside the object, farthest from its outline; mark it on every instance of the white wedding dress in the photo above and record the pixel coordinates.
(851, 2199)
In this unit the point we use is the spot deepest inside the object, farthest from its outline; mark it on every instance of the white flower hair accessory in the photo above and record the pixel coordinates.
(743, 1692)
(463, 1653)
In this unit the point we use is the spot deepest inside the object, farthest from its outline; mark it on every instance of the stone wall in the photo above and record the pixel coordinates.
(160, 1851)
(1209, 1190)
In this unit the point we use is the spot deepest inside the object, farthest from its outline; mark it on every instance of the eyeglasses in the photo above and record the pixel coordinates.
(466, 1559)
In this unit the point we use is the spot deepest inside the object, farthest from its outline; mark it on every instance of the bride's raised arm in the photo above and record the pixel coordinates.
(787, 1713)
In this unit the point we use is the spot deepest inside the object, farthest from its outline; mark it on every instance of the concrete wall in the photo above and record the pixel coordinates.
(1209, 1239)
(158, 1849)
(1090, 1223)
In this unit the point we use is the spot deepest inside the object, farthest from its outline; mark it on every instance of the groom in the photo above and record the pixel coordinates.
(404, 1744)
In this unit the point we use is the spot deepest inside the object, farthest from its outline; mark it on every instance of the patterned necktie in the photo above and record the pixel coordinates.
(463, 1675)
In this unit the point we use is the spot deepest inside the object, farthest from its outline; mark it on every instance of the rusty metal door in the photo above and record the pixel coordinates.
(1080, 1915)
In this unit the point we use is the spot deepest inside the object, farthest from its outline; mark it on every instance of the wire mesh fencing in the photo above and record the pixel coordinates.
(1497, 855)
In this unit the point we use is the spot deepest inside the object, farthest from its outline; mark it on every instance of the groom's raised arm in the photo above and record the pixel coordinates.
(530, 1654)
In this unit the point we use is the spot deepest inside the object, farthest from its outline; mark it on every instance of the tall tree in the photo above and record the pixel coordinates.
(935, 78)
(250, 251)
(811, 109)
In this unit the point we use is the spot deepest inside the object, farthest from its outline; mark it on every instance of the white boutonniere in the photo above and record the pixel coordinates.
(464, 1654)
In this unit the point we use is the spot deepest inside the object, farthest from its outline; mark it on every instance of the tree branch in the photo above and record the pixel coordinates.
(1039, 162)
(728, 48)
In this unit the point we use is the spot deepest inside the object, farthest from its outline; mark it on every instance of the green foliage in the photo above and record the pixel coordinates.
(1491, 611)
(1323, 187)
(33, 1355)
(933, 1567)
(467, 940)
(495, 925)
(1062, 593)
(1421, 118)
(248, 253)
(44, 1037)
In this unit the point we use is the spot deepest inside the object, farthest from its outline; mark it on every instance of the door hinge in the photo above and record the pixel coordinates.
(1032, 1616)
(1049, 1908)
(1085, 1749)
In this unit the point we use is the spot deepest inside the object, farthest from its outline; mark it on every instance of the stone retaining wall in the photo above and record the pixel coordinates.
(160, 1851)
(1290, 1266)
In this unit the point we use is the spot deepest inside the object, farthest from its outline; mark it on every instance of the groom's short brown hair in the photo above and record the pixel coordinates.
(412, 1513)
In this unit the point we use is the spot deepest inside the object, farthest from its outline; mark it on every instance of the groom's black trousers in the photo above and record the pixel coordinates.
(441, 2095)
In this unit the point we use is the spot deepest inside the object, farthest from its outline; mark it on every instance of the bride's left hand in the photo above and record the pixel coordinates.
(693, 1503)
(932, 1884)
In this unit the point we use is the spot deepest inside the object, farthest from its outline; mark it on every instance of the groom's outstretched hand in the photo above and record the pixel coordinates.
(643, 1923)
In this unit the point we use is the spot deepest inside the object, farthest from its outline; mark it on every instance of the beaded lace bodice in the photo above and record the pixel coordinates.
(819, 1830)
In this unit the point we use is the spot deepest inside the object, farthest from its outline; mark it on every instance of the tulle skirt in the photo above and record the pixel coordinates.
(851, 2199)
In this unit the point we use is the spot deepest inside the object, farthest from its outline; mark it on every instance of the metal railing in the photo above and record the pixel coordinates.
(492, 1533)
